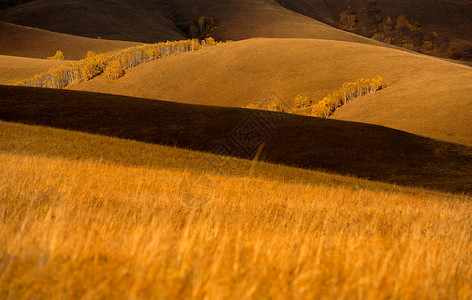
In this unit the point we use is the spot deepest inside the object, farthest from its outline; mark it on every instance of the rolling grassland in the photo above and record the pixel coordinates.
(16, 40)
(141, 221)
(422, 97)
(363, 150)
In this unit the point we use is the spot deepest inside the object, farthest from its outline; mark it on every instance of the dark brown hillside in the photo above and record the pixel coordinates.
(16, 40)
(364, 150)
(452, 19)
(139, 20)
(158, 20)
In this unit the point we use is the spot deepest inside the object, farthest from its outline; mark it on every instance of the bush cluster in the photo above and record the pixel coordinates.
(369, 21)
(58, 56)
(345, 94)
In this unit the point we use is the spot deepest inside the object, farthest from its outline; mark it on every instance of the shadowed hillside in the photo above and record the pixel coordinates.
(360, 149)
(422, 97)
(31, 42)
(141, 20)
(71, 210)
(160, 20)
(450, 18)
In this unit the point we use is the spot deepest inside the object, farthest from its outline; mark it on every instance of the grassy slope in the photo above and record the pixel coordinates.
(122, 227)
(14, 69)
(359, 149)
(450, 18)
(243, 19)
(140, 20)
(150, 21)
(423, 95)
(55, 143)
(23, 41)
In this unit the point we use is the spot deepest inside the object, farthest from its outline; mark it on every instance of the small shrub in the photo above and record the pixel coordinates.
(58, 56)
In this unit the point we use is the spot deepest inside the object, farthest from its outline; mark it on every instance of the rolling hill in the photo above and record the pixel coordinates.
(14, 69)
(140, 21)
(422, 97)
(109, 211)
(364, 150)
(159, 185)
(158, 20)
(24, 41)
(450, 18)
(152, 21)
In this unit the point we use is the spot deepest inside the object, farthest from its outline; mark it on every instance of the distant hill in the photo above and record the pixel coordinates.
(451, 19)
(423, 97)
(140, 20)
(360, 149)
(23, 41)
(160, 20)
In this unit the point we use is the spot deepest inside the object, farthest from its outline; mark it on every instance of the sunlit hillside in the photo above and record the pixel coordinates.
(422, 96)
(75, 225)
(236, 149)
(14, 69)
(364, 150)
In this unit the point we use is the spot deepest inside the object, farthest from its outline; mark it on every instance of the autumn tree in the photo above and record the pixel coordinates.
(345, 94)
(302, 101)
(348, 19)
(113, 63)
(58, 56)
(90, 54)
(114, 70)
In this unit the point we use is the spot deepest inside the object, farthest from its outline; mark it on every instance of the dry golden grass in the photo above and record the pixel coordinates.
(14, 69)
(74, 226)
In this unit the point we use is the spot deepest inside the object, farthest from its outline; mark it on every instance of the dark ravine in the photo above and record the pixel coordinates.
(364, 150)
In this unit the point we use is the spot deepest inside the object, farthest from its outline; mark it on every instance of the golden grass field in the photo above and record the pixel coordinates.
(121, 198)
(77, 226)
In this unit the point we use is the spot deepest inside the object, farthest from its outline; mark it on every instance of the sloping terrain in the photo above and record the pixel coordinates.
(53, 143)
(243, 19)
(350, 148)
(111, 217)
(14, 68)
(140, 20)
(423, 94)
(152, 21)
(23, 41)
(450, 18)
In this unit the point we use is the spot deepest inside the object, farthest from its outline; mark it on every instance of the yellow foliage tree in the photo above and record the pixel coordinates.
(302, 101)
(114, 70)
(348, 92)
(90, 54)
(114, 62)
(58, 56)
